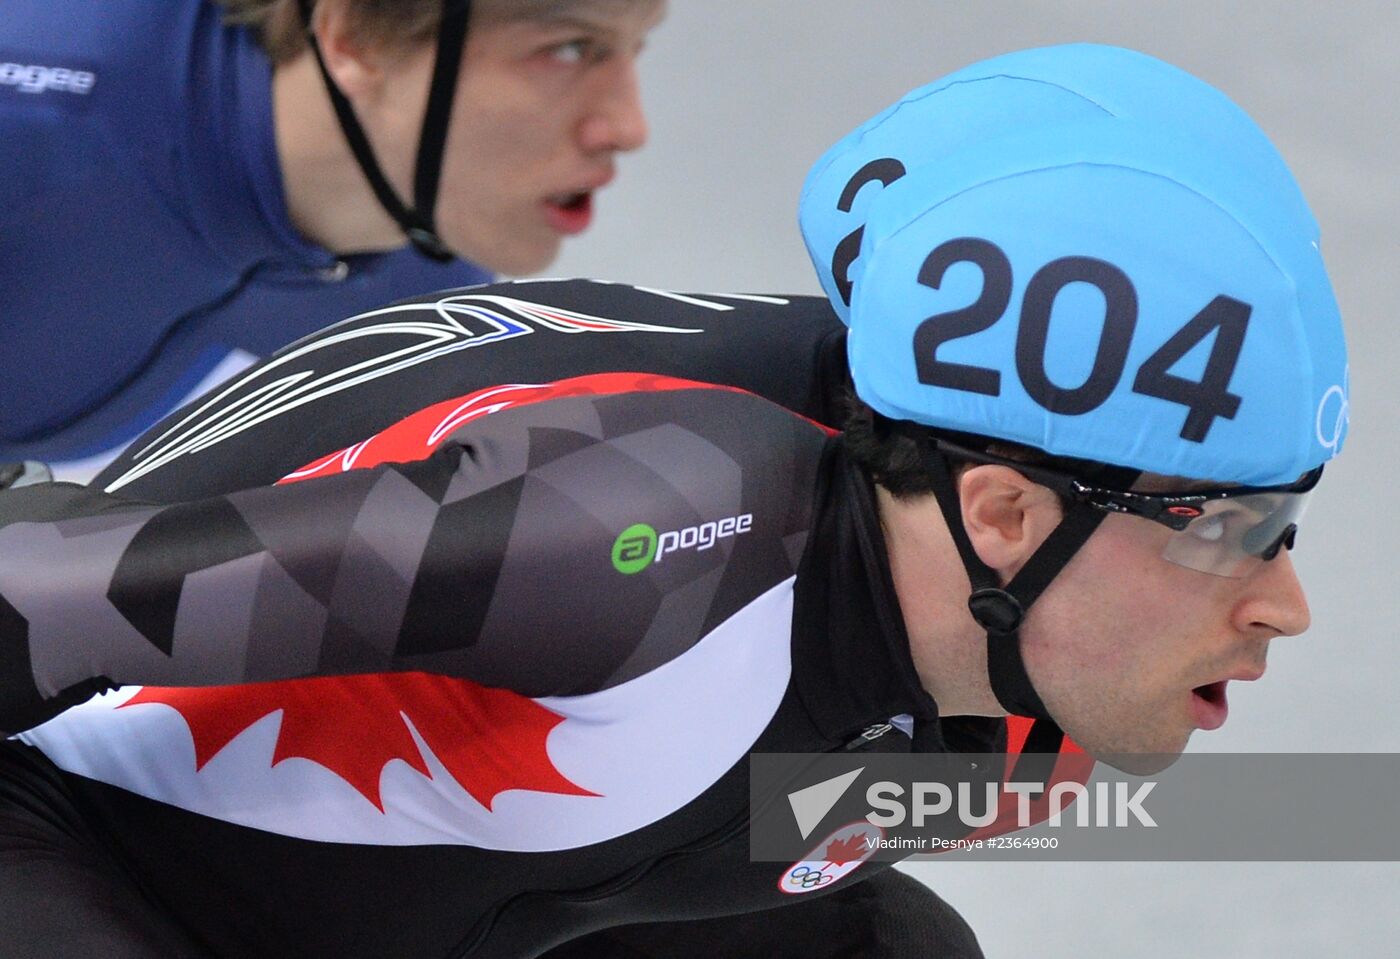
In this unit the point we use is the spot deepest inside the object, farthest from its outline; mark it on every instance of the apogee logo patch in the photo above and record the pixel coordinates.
(638, 546)
(634, 549)
(37, 78)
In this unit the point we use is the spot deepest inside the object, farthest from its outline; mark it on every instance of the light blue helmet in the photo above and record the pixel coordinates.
(1144, 289)
(1019, 91)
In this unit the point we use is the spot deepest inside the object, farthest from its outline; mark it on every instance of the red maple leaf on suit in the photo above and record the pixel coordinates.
(841, 851)
(489, 740)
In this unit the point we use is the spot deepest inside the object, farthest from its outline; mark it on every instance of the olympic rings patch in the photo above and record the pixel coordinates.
(1333, 415)
(838, 854)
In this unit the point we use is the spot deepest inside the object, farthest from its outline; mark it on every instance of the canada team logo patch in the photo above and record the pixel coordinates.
(838, 855)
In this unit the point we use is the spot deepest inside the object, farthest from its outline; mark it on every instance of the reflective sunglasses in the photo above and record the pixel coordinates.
(1224, 531)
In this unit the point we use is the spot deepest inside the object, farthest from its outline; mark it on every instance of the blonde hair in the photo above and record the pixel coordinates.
(384, 23)
(388, 23)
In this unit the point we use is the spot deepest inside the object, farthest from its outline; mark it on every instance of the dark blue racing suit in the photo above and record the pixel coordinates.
(147, 250)
(456, 623)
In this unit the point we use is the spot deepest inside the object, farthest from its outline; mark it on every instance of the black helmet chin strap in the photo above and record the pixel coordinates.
(417, 223)
(999, 609)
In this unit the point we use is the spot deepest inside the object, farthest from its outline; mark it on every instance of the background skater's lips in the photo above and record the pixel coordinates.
(569, 213)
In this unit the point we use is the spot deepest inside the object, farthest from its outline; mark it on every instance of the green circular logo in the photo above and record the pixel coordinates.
(634, 549)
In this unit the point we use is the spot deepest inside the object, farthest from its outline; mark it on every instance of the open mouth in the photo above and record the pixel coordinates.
(570, 213)
(1210, 705)
(571, 201)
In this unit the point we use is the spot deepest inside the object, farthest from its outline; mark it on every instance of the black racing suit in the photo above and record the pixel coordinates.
(453, 639)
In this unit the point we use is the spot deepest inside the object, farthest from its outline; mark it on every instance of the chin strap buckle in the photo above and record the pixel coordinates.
(996, 610)
(429, 244)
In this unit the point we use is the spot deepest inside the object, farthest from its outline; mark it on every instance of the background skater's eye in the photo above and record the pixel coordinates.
(577, 51)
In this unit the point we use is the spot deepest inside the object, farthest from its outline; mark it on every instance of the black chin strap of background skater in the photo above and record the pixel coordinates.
(418, 223)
